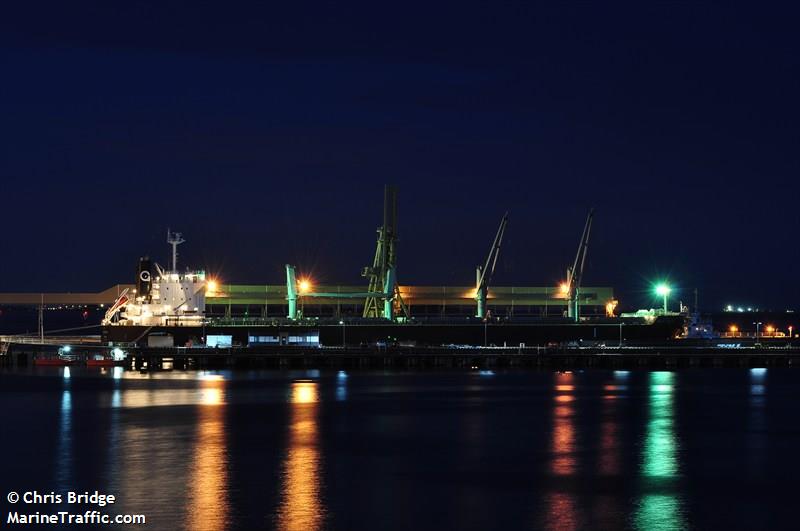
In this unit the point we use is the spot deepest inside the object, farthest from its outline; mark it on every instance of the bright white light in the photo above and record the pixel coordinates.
(117, 354)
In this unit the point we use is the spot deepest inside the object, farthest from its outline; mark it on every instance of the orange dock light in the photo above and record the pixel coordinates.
(304, 285)
(212, 286)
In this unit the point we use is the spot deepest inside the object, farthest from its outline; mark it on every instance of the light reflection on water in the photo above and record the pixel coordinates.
(64, 453)
(606, 507)
(590, 450)
(301, 507)
(563, 443)
(208, 487)
(757, 423)
(114, 435)
(341, 386)
(561, 511)
(660, 507)
(609, 431)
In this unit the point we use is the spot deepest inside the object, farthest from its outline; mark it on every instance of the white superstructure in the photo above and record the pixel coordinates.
(162, 298)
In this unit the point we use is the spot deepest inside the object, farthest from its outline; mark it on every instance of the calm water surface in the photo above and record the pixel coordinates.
(697, 449)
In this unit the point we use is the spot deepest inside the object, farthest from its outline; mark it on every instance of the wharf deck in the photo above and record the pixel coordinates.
(282, 357)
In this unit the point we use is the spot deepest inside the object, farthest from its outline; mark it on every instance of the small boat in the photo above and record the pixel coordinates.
(65, 357)
(62, 360)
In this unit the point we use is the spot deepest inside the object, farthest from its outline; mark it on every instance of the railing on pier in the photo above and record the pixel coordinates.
(59, 340)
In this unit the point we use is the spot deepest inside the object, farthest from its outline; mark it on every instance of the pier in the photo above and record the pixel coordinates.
(675, 355)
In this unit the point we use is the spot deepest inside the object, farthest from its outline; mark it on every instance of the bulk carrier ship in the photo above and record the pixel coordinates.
(169, 307)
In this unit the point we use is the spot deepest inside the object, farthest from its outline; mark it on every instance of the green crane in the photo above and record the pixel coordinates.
(484, 274)
(382, 274)
(575, 273)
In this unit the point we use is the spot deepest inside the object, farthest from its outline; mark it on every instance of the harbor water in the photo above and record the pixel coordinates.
(690, 449)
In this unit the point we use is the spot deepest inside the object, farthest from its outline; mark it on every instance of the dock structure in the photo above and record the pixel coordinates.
(421, 301)
(105, 297)
(676, 355)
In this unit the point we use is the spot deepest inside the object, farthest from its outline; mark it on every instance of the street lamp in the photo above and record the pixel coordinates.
(758, 324)
(344, 332)
(663, 290)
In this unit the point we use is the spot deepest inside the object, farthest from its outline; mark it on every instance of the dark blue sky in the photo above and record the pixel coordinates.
(265, 134)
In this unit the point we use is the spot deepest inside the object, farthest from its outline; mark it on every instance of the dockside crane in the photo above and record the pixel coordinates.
(484, 274)
(575, 273)
(382, 274)
(383, 293)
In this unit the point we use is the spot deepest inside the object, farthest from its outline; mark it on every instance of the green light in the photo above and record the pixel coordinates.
(663, 290)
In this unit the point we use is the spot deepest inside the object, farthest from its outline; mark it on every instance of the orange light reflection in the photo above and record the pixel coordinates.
(563, 443)
(609, 433)
(301, 507)
(561, 514)
(209, 505)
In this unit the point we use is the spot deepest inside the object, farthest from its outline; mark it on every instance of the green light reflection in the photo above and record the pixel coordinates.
(659, 512)
(659, 508)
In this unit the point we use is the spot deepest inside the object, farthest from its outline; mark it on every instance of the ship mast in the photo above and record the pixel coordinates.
(174, 239)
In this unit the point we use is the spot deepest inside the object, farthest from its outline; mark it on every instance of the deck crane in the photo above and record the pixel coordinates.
(575, 273)
(484, 274)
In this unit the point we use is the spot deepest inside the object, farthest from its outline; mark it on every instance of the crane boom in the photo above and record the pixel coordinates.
(484, 274)
(575, 273)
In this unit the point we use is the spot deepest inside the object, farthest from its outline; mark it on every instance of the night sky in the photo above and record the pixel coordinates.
(266, 133)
